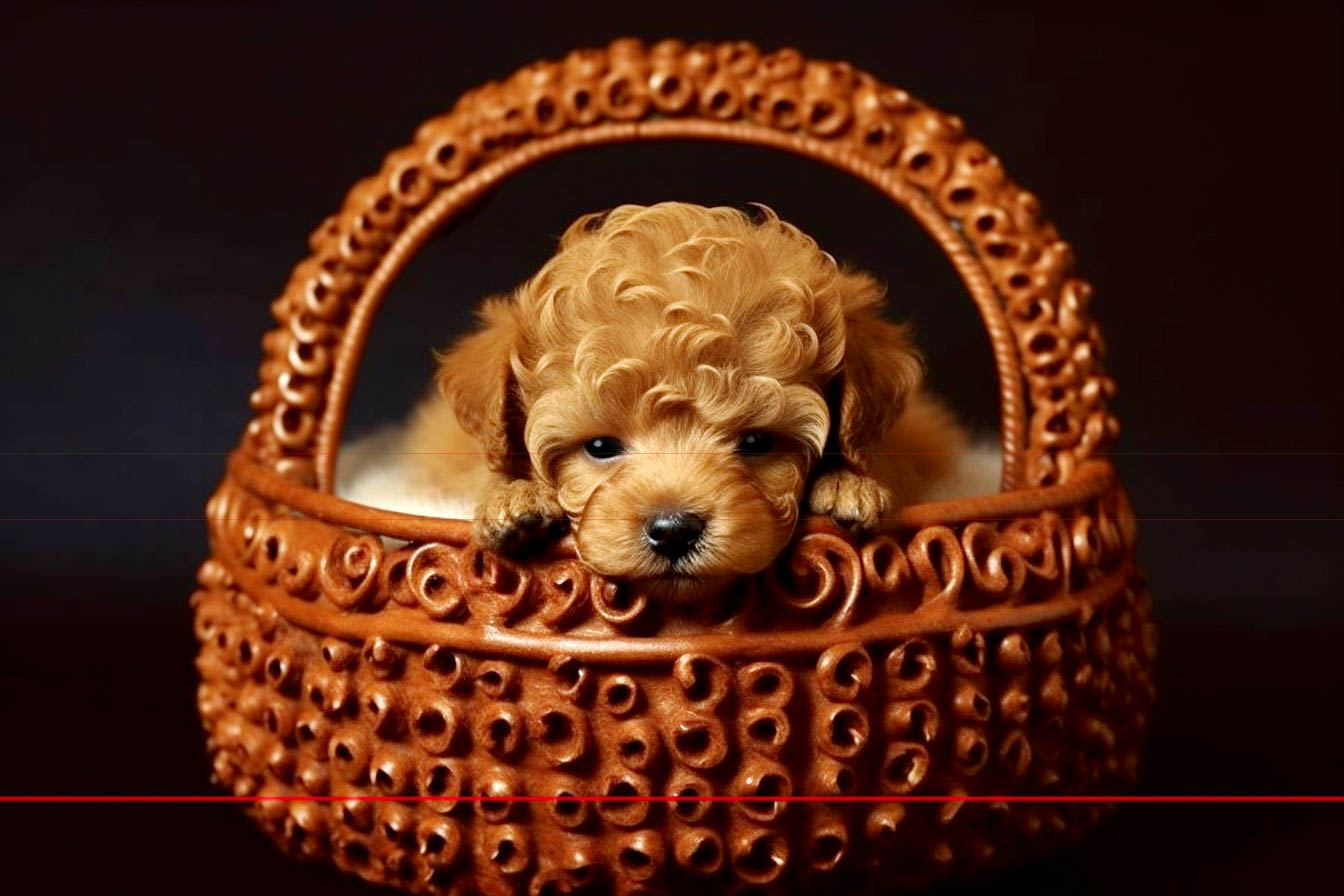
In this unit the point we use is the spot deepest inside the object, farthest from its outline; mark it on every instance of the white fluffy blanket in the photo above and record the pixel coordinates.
(373, 472)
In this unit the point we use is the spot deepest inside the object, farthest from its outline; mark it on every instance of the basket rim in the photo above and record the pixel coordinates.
(1091, 479)
(936, 615)
(346, 523)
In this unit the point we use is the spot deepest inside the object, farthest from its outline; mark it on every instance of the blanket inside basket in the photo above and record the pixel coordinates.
(373, 471)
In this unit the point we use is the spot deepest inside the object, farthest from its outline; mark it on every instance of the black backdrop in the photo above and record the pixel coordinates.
(162, 163)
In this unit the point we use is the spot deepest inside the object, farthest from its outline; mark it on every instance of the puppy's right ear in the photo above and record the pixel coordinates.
(881, 370)
(476, 376)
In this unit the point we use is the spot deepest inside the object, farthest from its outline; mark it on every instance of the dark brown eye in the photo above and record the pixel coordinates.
(603, 447)
(755, 443)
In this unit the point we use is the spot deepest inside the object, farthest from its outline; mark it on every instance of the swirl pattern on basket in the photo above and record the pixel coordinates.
(823, 580)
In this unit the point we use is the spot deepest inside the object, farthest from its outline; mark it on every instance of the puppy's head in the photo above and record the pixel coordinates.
(675, 372)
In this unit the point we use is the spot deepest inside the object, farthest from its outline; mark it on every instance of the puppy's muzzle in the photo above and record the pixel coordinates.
(673, 533)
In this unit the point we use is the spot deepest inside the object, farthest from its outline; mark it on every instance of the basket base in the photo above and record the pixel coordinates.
(398, 764)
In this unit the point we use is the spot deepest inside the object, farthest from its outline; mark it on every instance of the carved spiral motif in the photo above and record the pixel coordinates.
(823, 580)
(349, 569)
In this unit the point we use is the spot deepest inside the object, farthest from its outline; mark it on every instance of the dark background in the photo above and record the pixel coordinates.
(161, 165)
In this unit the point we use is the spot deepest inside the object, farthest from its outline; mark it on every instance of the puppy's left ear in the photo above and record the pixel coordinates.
(476, 376)
(880, 371)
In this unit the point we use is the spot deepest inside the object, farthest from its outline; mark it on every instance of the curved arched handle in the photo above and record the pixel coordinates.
(1053, 392)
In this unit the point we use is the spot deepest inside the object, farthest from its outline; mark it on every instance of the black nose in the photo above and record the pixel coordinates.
(673, 533)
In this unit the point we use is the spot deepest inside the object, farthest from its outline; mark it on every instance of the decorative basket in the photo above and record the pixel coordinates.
(1000, 645)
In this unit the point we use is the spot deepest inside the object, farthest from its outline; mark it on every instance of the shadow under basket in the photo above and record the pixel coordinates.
(986, 647)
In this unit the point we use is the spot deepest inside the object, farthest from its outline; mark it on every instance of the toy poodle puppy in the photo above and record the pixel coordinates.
(676, 384)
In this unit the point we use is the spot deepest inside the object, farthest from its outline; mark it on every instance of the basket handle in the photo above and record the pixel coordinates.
(1047, 351)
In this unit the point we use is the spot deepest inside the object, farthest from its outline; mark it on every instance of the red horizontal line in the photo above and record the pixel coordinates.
(986, 451)
(739, 519)
(708, 798)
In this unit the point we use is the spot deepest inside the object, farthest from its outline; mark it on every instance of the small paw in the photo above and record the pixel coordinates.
(519, 516)
(855, 501)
